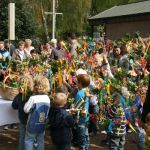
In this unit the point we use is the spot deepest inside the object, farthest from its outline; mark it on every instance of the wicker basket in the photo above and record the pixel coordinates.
(6, 92)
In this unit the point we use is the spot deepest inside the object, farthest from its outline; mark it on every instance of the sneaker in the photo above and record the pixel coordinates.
(129, 131)
(104, 132)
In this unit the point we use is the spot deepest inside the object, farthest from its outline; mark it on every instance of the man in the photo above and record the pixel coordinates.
(3, 51)
(9, 46)
(59, 52)
(4, 54)
(74, 44)
(114, 56)
(99, 47)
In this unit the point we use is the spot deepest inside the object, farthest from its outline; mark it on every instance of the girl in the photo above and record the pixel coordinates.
(26, 84)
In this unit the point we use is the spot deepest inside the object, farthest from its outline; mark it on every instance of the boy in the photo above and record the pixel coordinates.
(118, 124)
(82, 126)
(19, 102)
(38, 108)
(61, 123)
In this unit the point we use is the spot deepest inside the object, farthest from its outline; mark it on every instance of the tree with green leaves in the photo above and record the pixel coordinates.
(24, 20)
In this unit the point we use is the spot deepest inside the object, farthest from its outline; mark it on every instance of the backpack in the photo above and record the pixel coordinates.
(38, 118)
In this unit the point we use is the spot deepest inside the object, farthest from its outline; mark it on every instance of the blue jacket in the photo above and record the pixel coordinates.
(61, 123)
(80, 95)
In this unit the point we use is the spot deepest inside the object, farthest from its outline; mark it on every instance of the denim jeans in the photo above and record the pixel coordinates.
(116, 143)
(93, 127)
(94, 109)
(82, 137)
(141, 139)
(30, 141)
(22, 131)
(61, 147)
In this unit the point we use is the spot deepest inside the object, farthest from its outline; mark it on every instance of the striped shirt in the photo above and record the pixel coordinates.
(117, 115)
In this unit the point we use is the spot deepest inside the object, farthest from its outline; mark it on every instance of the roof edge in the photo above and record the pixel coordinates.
(93, 17)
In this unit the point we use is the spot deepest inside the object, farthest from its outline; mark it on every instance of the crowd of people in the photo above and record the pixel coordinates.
(81, 87)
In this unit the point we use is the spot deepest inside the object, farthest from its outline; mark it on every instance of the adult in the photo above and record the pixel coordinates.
(99, 47)
(47, 49)
(19, 54)
(28, 46)
(59, 52)
(3, 52)
(9, 46)
(124, 59)
(74, 44)
(53, 43)
(114, 56)
(146, 106)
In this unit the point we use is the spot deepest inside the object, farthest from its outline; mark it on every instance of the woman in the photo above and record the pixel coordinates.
(28, 46)
(19, 54)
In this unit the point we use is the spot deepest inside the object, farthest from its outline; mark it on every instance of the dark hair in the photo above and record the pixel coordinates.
(115, 46)
(123, 49)
(148, 66)
(33, 51)
(72, 35)
(84, 80)
(147, 119)
(115, 96)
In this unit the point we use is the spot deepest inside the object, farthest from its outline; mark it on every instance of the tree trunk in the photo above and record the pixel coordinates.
(44, 22)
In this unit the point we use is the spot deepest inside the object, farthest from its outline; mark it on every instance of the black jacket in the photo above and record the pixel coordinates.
(18, 103)
(61, 123)
(146, 106)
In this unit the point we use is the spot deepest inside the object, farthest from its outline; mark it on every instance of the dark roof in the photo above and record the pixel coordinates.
(124, 10)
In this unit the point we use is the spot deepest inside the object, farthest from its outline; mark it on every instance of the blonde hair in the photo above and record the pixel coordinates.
(60, 99)
(41, 84)
(28, 80)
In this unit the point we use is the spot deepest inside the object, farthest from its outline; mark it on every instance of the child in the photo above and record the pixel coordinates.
(136, 110)
(61, 123)
(38, 108)
(82, 126)
(147, 129)
(19, 102)
(118, 124)
(94, 111)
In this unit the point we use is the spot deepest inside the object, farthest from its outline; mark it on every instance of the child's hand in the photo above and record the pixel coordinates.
(133, 109)
(71, 106)
(87, 94)
(83, 112)
(64, 79)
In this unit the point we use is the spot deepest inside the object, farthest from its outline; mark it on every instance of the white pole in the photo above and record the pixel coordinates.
(11, 21)
(54, 21)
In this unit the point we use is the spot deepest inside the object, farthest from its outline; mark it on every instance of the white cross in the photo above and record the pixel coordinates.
(54, 19)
